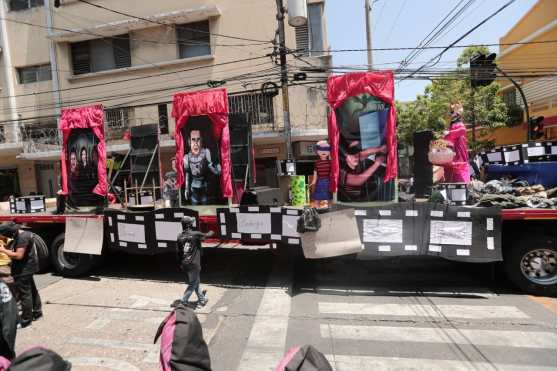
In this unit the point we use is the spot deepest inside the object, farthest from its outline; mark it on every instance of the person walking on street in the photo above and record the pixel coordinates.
(24, 265)
(189, 258)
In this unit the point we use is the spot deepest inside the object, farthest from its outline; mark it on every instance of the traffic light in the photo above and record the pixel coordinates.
(535, 128)
(482, 69)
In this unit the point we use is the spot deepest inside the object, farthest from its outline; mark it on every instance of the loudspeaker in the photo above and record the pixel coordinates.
(240, 145)
(423, 170)
(144, 155)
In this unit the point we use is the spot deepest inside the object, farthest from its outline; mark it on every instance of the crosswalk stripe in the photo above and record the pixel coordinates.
(419, 310)
(369, 363)
(502, 338)
(267, 339)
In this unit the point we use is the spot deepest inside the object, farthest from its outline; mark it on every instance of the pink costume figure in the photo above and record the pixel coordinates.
(459, 170)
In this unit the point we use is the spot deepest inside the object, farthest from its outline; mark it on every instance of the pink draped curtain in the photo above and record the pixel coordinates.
(89, 117)
(214, 104)
(377, 84)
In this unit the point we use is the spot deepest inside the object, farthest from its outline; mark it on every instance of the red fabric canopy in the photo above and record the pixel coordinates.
(89, 117)
(214, 104)
(377, 84)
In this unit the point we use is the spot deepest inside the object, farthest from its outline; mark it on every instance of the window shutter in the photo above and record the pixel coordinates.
(122, 55)
(302, 39)
(80, 58)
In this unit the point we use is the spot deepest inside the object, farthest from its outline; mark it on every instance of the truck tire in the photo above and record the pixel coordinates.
(70, 264)
(531, 264)
(43, 254)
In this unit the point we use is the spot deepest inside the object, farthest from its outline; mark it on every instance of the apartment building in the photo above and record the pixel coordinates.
(534, 54)
(132, 56)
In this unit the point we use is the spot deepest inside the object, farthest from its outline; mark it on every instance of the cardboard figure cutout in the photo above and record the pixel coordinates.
(320, 184)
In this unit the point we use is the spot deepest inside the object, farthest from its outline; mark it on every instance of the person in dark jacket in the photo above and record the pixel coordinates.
(8, 322)
(24, 265)
(189, 258)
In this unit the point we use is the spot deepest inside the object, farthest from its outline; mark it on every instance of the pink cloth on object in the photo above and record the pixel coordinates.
(459, 170)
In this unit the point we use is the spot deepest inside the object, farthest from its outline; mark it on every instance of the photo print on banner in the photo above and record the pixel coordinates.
(362, 135)
(202, 167)
(82, 162)
(362, 149)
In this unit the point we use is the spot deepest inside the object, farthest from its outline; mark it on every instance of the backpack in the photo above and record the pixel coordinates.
(182, 345)
(304, 358)
(309, 221)
(186, 250)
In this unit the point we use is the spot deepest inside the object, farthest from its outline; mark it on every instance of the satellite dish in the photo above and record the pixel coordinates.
(297, 13)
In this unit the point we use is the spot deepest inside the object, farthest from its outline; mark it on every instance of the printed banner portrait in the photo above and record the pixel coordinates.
(202, 167)
(362, 134)
(83, 157)
(82, 161)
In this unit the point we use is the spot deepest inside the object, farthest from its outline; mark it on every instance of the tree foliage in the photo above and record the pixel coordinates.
(430, 110)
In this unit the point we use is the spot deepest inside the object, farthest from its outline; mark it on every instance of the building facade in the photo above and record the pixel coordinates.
(535, 54)
(132, 56)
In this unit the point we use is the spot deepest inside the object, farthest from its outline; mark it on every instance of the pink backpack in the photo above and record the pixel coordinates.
(182, 344)
(304, 358)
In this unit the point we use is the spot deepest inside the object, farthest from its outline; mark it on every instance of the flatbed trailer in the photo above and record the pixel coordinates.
(528, 239)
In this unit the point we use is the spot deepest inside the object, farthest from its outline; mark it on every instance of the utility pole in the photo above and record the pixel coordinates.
(368, 34)
(53, 59)
(281, 11)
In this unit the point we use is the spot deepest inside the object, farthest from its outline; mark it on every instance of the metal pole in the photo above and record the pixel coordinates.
(284, 79)
(473, 116)
(368, 34)
(12, 134)
(526, 109)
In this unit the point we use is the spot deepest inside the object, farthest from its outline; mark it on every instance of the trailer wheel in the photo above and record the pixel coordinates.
(531, 265)
(70, 264)
(43, 254)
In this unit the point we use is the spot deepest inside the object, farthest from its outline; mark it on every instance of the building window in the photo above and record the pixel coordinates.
(509, 97)
(163, 118)
(257, 107)
(25, 4)
(117, 122)
(309, 37)
(101, 54)
(31, 74)
(193, 39)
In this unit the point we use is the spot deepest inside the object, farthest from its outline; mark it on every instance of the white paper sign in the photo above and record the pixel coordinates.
(536, 151)
(495, 157)
(489, 226)
(131, 232)
(37, 204)
(450, 233)
(289, 225)
(254, 223)
(382, 230)
(512, 156)
(167, 231)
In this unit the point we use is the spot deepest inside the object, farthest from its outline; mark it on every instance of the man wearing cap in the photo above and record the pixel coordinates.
(24, 265)
(189, 258)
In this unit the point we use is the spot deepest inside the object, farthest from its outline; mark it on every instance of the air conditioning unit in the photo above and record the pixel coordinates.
(305, 149)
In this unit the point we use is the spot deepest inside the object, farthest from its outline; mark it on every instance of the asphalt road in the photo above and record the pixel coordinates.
(399, 314)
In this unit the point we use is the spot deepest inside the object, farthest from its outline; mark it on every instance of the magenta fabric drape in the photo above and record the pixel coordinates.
(88, 117)
(214, 104)
(377, 84)
(459, 170)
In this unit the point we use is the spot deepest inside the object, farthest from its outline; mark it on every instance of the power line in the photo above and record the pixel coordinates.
(436, 47)
(139, 77)
(166, 24)
(396, 20)
(465, 34)
(96, 35)
(426, 41)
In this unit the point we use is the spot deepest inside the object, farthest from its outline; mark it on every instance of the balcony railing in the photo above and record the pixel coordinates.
(40, 138)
